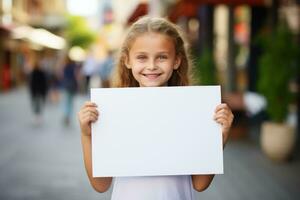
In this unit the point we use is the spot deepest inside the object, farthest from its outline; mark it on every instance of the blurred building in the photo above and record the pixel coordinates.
(26, 28)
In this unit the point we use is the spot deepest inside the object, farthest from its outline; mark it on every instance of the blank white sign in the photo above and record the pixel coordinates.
(150, 131)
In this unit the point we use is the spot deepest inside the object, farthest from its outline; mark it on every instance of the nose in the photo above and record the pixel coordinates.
(152, 65)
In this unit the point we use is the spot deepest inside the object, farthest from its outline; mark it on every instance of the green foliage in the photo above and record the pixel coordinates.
(78, 33)
(205, 70)
(277, 67)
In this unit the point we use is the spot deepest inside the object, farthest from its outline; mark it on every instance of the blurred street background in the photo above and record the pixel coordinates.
(52, 52)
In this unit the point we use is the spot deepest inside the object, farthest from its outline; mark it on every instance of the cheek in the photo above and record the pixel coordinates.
(136, 67)
(168, 66)
(136, 70)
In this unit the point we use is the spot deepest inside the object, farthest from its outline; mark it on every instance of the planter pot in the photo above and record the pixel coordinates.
(277, 140)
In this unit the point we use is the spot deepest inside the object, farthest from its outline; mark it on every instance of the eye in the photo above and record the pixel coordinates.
(141, 57)
(162, 57)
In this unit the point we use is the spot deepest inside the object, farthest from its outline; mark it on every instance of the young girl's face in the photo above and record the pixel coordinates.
(152, 59)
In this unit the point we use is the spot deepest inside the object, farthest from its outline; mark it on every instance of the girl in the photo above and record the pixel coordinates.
(153, 54)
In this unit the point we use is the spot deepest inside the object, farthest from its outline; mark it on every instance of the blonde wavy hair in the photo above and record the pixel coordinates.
(181, 77)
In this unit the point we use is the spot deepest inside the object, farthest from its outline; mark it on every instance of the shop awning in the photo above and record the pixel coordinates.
(39, 36)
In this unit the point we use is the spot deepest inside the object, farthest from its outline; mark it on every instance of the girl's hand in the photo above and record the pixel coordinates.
(87, 114)
(224, 116)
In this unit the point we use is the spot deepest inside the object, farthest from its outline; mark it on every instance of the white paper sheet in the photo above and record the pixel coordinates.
(156, 131)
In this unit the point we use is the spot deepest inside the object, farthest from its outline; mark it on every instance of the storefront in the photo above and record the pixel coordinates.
(5, 71)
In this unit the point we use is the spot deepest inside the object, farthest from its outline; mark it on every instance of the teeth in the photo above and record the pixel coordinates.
(151, 76)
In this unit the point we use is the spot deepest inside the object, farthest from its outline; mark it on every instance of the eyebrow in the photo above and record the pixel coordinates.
(161, 52)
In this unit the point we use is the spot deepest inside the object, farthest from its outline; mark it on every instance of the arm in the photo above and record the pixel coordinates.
(87, 115)
(201, 182)
(223, 116)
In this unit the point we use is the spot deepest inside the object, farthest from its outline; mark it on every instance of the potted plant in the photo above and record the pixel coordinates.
(205, 73)
(277, 68)
(205, 70)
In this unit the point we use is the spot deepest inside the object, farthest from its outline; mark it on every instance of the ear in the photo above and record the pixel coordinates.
(177, 62)
(126, 62)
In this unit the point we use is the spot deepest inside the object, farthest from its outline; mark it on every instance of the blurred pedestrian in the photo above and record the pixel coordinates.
(88, 69)
(48, 63)
(69, 82)
(38, 90)
(106, 69)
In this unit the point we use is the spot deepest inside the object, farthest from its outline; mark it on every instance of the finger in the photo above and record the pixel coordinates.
(227, 114)
(93, 119)
(223, 122)
(83, 117)
(223, 112)
(222, 115)
(84, 113)
(222, 106)
(87, 115)
(87, 119)
(90, 110)
(89, 104)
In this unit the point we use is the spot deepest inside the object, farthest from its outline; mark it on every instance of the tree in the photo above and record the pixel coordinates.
(78, 33)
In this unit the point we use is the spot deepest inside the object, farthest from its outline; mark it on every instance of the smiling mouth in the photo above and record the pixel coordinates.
(151, 76)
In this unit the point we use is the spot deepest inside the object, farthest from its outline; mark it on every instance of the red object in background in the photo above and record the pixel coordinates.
(184, 8)
(241, 33)
(228, 2)
(5, 78)
(189, 8)
(141, 10)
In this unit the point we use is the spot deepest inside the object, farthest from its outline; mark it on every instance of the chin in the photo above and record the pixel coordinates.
(151, 85)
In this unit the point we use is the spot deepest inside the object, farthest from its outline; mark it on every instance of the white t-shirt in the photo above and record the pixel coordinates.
(153, 188)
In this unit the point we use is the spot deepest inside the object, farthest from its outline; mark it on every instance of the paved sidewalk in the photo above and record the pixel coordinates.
(45, 162)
